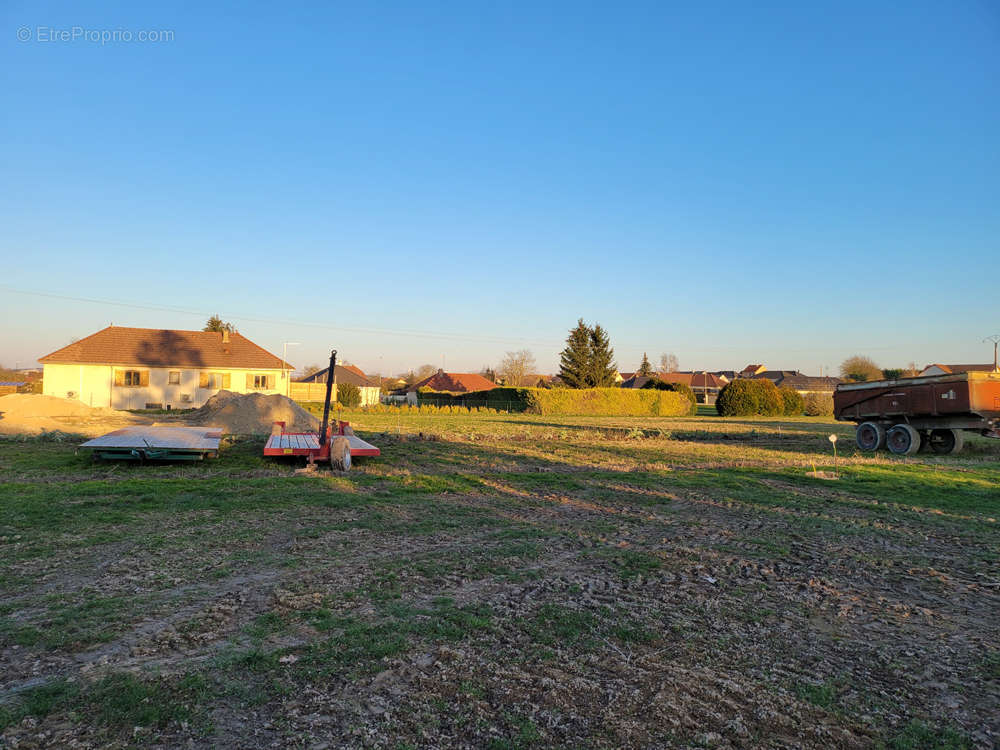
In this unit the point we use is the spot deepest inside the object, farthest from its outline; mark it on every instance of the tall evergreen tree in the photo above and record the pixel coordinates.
(217, 324)
(645, 368)
(575, 360)
(602, 359)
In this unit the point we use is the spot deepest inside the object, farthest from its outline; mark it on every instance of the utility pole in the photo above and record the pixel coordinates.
(995, 339)
(284, 361)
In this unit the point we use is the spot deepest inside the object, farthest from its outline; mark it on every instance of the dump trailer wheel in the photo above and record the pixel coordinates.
(340, 454)
(903, 440)
(870, 436)
(946, 441)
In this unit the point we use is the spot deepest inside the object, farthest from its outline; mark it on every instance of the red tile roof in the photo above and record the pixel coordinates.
(706, 380)
(355, 369)
(674, 377)
(152, 347)
(455, 382)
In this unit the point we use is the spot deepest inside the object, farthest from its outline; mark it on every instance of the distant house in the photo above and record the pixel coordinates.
(804, 384)
(313, 387)
(144, 368)
(638, 381)
(706, 385)
(952, 369)
(750, 371)
(451, 382)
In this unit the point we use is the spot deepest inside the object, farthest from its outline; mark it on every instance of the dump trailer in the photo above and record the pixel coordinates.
(931, 412)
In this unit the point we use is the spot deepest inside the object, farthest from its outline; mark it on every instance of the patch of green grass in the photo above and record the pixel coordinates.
(920, 736)
(39, 702)
(22, 635)
(636, 562)
(96, 619)
(357, 644)
(118, 701)
(266, 624)
(524, 734)
(561, 626)
(823, 695)
(991, 665)
(123, 700)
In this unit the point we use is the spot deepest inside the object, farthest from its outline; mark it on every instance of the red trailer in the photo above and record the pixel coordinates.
(334, 445)
(933, 412)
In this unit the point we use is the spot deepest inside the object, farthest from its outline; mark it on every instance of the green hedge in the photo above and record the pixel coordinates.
(794, 403)
(505, 399)
(600, 402)
(608, 402)
(750, 397)
(682, 388)
(818, 405)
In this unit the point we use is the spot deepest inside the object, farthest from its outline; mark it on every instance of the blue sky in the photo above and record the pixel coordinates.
(789, 183)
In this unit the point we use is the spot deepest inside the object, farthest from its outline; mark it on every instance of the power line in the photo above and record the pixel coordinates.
(279, 321)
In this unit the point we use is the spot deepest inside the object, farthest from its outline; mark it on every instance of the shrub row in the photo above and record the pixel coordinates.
(792, 400)
(506, 399)
(608, 402)
(750, 397)
(685, 390)
(598, 402)
(818, 405)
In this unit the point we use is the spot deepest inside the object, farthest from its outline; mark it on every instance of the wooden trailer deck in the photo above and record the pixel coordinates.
(307, 443)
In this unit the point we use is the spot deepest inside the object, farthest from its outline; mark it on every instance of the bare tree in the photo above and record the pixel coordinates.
(311, 370)
(860, 368)
(669, 363)
(515, 367)
(415, 376)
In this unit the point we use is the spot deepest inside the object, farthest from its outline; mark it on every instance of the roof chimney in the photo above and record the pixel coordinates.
(225, 337)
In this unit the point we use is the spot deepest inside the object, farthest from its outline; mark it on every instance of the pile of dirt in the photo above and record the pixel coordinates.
(252, 413)
(32, 413)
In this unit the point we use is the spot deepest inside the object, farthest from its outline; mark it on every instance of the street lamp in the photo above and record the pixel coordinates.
(284, 360)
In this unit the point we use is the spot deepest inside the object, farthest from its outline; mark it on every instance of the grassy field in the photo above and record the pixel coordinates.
(506, 581)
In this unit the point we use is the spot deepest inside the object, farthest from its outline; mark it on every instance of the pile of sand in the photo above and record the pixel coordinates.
(32, 413)
(252, 413)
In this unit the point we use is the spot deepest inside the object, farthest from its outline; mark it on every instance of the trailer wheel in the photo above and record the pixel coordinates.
(946, 441)
(340, 454)
(870, 436)
(903, 440)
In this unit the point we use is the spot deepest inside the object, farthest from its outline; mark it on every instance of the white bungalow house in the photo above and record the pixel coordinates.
(147, 368)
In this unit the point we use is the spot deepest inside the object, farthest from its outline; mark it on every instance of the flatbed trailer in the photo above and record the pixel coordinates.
(908, 414)
(157, 443)
(335, 444)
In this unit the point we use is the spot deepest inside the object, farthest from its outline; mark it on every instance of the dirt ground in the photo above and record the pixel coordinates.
(505, 582)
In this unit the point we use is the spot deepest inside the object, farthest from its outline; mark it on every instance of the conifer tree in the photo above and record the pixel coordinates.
(575, 360)
(645, 368)
(602, 359)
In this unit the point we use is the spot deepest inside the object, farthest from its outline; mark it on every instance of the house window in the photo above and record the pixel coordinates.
(132, 378)
(213, 380)
(174, 377)
(260, 382)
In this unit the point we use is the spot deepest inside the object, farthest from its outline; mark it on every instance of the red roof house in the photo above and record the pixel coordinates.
(454, 382)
